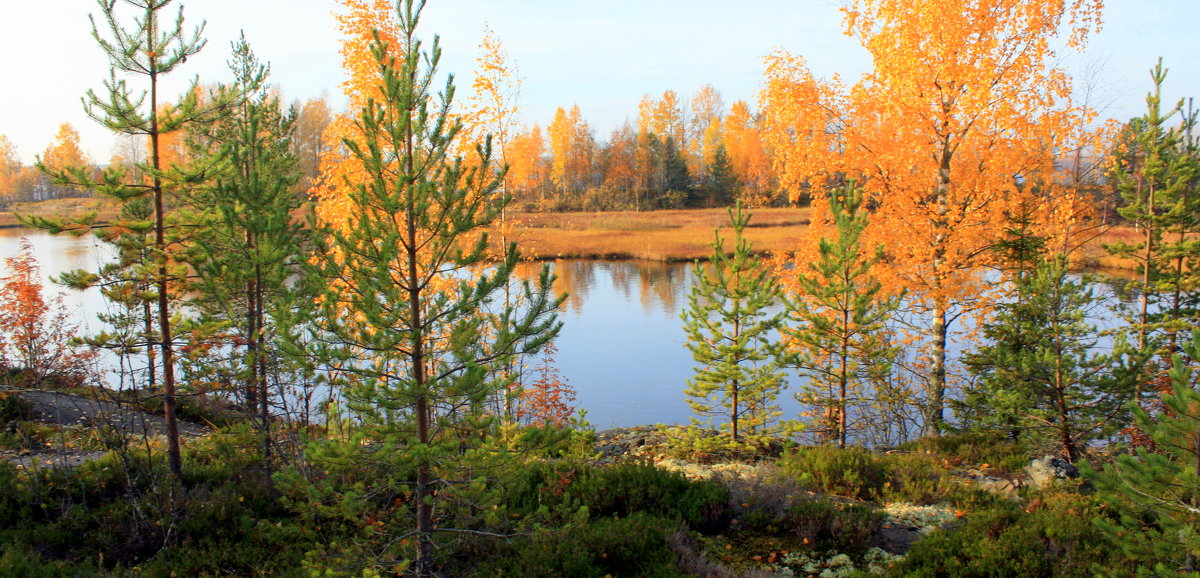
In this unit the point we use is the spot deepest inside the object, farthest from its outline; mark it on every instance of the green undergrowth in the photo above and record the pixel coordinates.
(537, 504)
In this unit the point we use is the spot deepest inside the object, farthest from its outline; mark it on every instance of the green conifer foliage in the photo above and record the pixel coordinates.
(145, 49)
(721, 182)
(409, 279)
(1157, 172)
(250, 243)
(730, 324)
(1156, 493)
(840, 335)
(1042, 372)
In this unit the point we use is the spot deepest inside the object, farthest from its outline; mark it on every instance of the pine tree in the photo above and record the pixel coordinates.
(148, 50)
(729, 323)
(840, 335)
(1156, 172)
(408, 279)
(250, 244)
(1040, 371)
(1157, 493)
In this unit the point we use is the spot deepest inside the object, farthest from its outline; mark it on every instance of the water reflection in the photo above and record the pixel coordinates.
(660, 286)
(622, 343)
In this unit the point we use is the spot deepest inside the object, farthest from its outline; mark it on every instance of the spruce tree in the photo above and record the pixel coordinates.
(678, 183)
(730, 327)
(721, 182)
(989, 404)
(408, 279)
(1156, 493)
(840, 317)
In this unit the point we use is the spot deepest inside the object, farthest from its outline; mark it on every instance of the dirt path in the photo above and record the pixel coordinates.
(67, 409)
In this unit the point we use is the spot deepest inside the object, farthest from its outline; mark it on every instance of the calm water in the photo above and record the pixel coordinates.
(621, 347)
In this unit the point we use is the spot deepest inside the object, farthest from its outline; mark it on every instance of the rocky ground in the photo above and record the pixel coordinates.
(905, 524)
(70, 410)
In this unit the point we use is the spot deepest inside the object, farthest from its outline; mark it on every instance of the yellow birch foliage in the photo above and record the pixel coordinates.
(340, 172)
(10, 169)
(570, 144)
(748, 155)
(707, 110)
(962, 114)
(493, 105)
(526, 167)
(65, 153)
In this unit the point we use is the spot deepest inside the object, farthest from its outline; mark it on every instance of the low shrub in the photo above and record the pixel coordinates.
(627, 546)
(851, 472)
(616, 490)
(974, 448)
(1053, 535)
(706, 446)
(916, 478)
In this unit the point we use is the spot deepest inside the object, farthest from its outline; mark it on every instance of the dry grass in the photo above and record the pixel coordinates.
(61, 208)
(681, 235)
(678, 235)
(1094, 256)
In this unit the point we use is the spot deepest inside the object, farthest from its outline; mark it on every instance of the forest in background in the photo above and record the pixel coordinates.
(946, 192)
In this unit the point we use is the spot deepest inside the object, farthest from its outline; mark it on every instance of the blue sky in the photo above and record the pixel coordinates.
(601, 55)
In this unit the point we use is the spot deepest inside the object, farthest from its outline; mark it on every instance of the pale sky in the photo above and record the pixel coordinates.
(601, 55)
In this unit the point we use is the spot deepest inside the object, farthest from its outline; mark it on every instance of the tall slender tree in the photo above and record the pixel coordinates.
(251, 242)
(1156, 171)
(408, 277)
(146, 49)
(840, 314)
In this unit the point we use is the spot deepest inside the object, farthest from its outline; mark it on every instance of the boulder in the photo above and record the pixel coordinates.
(999, 486)
(1047, 470)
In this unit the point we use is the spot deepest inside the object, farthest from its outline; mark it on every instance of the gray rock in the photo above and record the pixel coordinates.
(1047, 470)
(1000, 486)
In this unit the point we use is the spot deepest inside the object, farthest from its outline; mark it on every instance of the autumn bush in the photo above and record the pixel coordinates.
(36, 333)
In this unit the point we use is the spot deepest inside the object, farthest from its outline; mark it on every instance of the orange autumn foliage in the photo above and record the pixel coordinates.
(340, 171)
(748, 154)
(35, 334)
(958, 124)
(526, 165)
(549, 400)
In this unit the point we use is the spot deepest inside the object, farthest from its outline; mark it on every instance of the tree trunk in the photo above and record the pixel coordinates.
(1147, 258)
(934, 418)
(151, 370)
(164, 307)
(843, 377)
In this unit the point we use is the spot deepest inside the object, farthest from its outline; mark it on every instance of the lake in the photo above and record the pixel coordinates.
(622, 344)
